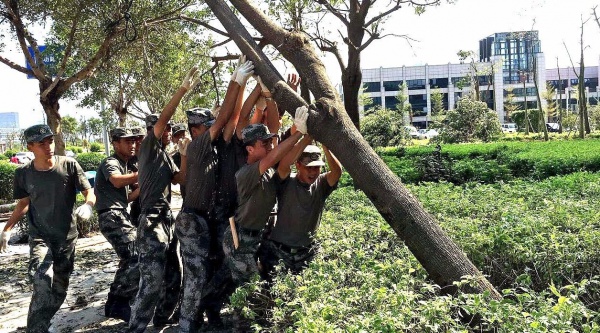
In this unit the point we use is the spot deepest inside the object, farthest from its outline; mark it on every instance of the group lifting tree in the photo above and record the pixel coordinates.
(328, 123)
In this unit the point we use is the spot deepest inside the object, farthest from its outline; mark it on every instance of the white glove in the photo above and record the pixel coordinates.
(4, 237)
(244, 72)
(191, 79)
(263, 88)
(300, 119)
(183, 144)
(84, 211)
(241, 60)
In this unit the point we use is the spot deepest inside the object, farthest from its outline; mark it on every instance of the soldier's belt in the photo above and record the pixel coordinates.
(290, 249)
(249, 232)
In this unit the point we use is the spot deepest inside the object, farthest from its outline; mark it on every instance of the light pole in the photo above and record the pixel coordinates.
(523, 77)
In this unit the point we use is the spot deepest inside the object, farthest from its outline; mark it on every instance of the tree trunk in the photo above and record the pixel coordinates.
(328, 123)
(542, 119)
(53, 118)
(304, 92)
(122, 114)
(351, 85)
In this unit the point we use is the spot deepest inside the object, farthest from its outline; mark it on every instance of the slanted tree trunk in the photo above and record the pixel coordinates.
(542, 118)
(328, 123)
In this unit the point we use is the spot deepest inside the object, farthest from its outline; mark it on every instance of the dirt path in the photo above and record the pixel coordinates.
(83, 310)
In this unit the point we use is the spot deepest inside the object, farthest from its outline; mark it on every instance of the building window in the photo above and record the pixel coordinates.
(391, 103)
(371, 86)
(375, 103)
(392, 85)
(415, 84)
(461, 81)
(419, 105)
(438, 83)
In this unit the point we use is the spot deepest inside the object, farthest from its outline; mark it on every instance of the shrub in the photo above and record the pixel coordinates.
(95, 147)
(7, 175)
(90, 161)
(75, 149)
(9, 152)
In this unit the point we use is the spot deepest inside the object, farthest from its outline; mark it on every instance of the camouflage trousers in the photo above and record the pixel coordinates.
(118, 230)
(294, 259)
(50, 265)
(160, 269)
(192, 231)
(242, 261)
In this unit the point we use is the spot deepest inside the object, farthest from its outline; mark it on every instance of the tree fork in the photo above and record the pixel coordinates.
(328, 123)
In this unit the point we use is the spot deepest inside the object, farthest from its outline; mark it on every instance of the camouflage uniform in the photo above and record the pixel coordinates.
(294, 259)
(115, 224)
(192, 224)
(52, 227)
(160, 269)
(50, 265)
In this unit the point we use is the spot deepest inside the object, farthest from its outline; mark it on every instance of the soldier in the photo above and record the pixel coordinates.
(179, 133)
(46, 189)
(160, 271)
(112, 188)
(256, 195)
(300, 202)
(195, 221)
(134, 207)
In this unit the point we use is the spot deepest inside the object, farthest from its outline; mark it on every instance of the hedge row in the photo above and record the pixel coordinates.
(538, 242)
(490, 163)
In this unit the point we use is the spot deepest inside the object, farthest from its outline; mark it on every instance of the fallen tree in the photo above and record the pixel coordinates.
(328, 123)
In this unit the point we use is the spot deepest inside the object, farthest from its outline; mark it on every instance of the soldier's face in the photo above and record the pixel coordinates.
(138, 144)
(307, 174)
(125, 147)
(43, 149)
(166, 137)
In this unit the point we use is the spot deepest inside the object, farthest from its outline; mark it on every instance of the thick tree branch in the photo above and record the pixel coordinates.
(63, 64)
(15, 66)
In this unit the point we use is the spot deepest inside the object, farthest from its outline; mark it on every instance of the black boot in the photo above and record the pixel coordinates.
(214, 318)
(118, 307)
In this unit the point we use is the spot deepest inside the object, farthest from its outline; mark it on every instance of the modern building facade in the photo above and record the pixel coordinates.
(509, 62)
(9, 128)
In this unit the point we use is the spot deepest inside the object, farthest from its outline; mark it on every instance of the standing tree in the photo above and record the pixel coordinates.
(70, 128)
(584, 123)
(363, 22)
(403, 106)
(81, 36)
(510, 105)
(329, 123)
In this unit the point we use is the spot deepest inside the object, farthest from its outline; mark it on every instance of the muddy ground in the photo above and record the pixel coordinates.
(83, 310)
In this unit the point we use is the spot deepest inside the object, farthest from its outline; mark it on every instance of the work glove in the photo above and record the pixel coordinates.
(4, 237)
(300, 119)
(244, 72)
(241, 60)
(84, 211)
(183, 144)
(191, 79)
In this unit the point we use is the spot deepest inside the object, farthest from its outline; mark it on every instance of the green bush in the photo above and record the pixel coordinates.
(9, 152)
(75, 149)
(95, 147)
(365, 280)
(90, 161)
(7, 175)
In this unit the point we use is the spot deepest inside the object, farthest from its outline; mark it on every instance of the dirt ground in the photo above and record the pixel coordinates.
(83, 310)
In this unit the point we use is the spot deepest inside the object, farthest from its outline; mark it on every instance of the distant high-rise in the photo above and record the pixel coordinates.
(517, 50)
(9, 128)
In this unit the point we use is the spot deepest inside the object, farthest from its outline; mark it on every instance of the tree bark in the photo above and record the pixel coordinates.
(328, 123)
(53, 119)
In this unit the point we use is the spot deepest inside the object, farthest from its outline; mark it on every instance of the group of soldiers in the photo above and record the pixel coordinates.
(243, 210)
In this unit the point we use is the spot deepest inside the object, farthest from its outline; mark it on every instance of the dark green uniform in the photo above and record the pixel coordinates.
(192, 228)
(292, 238)
(160, 271)
(52, 233)
(256, 198)
(115, 224)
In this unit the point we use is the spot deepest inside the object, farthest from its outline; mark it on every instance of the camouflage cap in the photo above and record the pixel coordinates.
(121, 132)
(178, 128)
(200, 116)
(311, 156)
(37, 133)
(151, 120)
(254, 132)
(138, 131)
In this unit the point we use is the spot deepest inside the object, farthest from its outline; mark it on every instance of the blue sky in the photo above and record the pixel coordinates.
(439, 34)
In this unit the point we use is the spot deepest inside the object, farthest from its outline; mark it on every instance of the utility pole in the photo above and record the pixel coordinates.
(104, 132)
